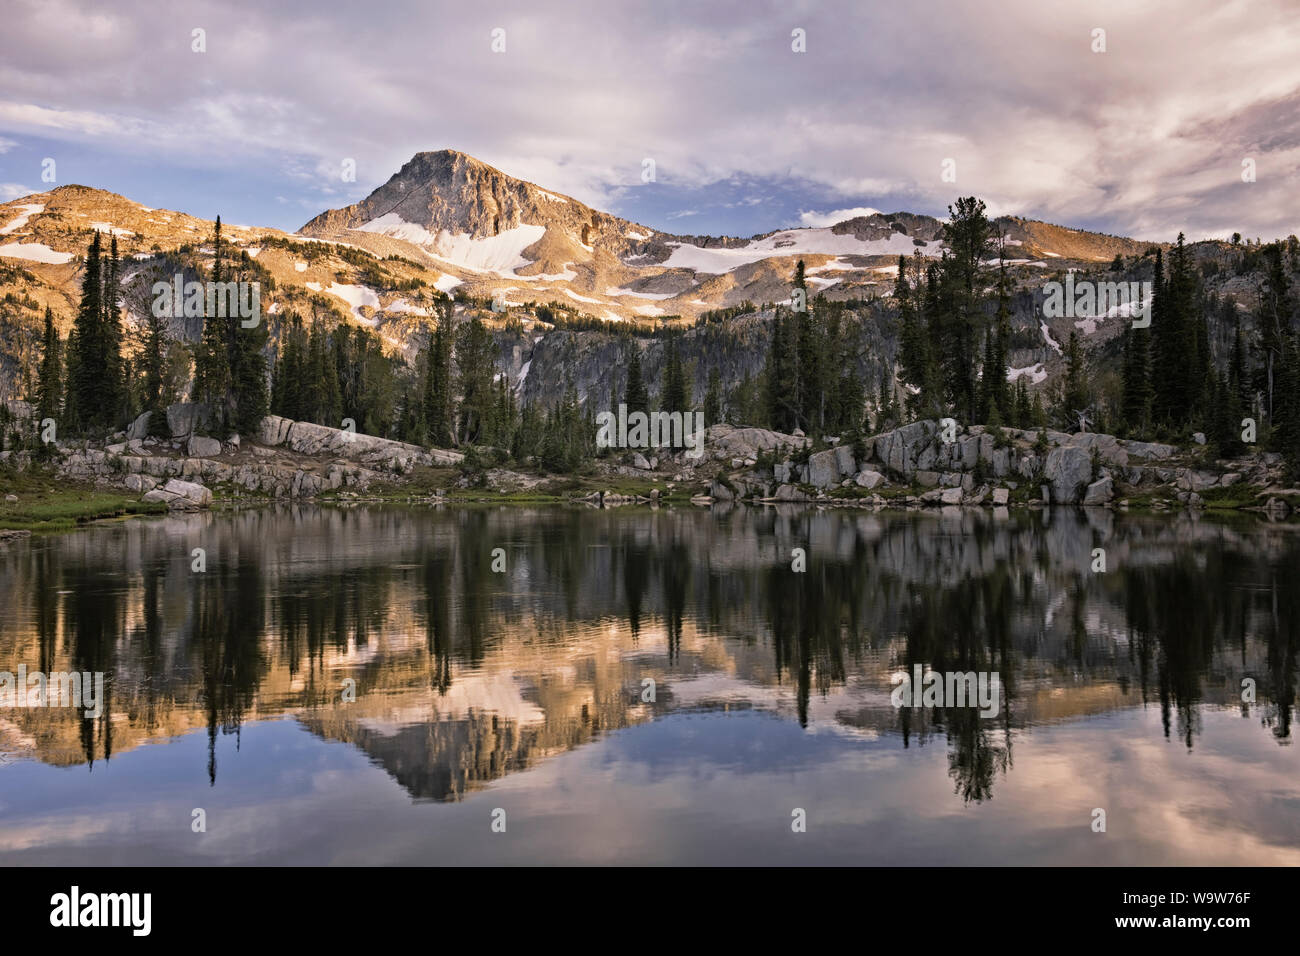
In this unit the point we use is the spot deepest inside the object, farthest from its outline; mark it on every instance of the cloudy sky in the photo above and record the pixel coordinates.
(1146, 139)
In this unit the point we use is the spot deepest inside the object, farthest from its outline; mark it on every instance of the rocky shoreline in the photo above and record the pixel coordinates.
(921, 464)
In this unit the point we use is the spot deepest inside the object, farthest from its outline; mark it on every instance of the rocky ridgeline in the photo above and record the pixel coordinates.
(285, 459)
(978, 466)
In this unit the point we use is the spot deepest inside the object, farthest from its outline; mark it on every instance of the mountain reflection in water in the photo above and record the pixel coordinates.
(771, 687)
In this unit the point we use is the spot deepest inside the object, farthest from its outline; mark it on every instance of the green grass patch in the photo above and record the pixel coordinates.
(50, 505)
(1240, 495)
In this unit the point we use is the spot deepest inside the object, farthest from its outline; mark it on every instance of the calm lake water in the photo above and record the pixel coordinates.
(519, 696)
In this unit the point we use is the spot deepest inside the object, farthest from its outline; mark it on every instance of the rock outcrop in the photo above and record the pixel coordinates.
(975, 466)
(306, 438)
(181, 495)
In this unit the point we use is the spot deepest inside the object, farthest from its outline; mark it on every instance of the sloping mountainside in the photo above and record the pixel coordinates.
(521, 255)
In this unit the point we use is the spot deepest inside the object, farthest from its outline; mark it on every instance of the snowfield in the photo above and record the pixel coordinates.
(792, 242)
(1036, 373)
(356, 296)
(401, 305)
(835, 265)
(28, 210)
(109, 227)
(1125, 310)
(501, 254)
(35, 252)
(1047, 337)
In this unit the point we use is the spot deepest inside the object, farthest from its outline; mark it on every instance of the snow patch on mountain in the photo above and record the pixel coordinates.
(502, 253)
(792, 242)
(835, 264)
(401, 305)
(109, 227)
(1047, 337)
(356, 296)
(28, 210)
(35, 252)
(1036, 373)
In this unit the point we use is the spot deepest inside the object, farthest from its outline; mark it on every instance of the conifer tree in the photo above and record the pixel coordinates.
(634, 396)
(320, 379)
(1136, 381)
(713, 398)
(958, 302)
(212, 357)
(85, 405)
(151, 369)
(474, 367)
(1076, 395)
(783, 373)
(809, 356)
(673, 397)
(916, 366)
(437, 392)
(1024, 410)
(993, 379)
(49, 386)
(113, 369)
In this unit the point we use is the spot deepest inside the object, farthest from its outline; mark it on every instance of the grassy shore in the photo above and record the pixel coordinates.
(48, 503)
